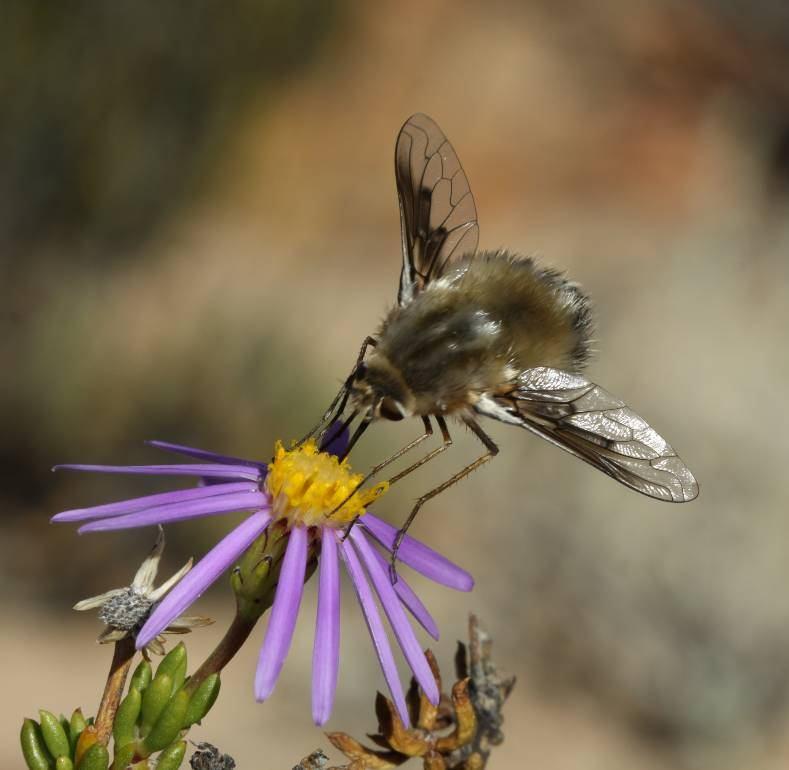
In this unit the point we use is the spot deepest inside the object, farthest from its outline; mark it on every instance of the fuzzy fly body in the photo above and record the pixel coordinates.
(489, 334)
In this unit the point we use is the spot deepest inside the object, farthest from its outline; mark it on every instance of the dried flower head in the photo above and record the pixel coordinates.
(125, 610)
(455, 735)
(208, 757)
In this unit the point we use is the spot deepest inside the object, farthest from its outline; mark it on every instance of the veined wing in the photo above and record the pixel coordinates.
(584, 419)
(438, 218)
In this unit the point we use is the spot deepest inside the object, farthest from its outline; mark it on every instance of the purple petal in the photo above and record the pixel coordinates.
(140, 503)
(326, 651)
(411, 601)
(162, 514)
(418, 556)
(376, 628)
(397, 618)
(203, 454)
(283, 614)
(191, 469)
(202, 575)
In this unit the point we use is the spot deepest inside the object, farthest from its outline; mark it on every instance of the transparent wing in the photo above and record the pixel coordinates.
(438, 218)
(580, 417)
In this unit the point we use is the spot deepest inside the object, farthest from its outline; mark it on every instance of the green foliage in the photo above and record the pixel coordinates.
(201, 702)
(34, 750)
(54, 735)
(97, 757)
(153, 717)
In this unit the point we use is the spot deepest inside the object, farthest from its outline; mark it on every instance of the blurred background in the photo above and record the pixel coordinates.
(199, 226)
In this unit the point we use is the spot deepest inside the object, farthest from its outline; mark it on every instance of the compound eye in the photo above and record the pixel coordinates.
(389, 409)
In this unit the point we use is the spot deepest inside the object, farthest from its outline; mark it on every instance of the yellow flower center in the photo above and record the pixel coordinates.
(314, 488)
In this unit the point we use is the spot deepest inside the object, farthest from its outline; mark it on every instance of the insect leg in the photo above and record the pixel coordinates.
(492, 451)
(333, 412)
(429, 456)
(376, 469)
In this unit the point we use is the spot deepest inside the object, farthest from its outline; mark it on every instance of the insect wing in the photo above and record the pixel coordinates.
(438, 217)
(584, 419)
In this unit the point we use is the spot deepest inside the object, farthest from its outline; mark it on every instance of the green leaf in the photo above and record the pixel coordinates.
(54, 735)
(123, 756)
(174, 665)
(154, 699)
(141, 677)
(95, 758)
(172, 756)
(34, 750)
(168, 726)
(201, 702)
(77, 724)
(66, 725)
(64, 763)
(124, 728)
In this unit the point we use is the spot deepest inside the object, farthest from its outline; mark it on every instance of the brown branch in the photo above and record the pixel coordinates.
(116, 680)
(235, 636)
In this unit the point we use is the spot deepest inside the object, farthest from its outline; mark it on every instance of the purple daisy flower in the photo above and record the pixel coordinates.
(298, 490)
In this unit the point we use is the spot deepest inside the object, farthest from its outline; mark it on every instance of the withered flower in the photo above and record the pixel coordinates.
(125, 610)
(455, 735)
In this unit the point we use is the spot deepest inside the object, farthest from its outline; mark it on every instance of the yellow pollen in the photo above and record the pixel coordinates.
(306, 486)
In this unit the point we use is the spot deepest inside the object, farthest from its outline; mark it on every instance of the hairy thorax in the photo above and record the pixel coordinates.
(473, 330)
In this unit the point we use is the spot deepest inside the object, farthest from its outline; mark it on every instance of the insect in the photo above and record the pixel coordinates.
(489, 334)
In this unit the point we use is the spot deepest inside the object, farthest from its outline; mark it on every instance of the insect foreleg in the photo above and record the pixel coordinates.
(430, 455)
(493, 450)
(376, 469)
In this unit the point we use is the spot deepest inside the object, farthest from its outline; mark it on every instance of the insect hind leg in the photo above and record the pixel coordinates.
(492, 451)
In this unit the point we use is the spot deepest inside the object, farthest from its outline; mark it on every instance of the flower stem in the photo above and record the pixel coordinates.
(119, 668)
(235, 636)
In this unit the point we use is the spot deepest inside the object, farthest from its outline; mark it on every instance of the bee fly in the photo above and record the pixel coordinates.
(489, 334)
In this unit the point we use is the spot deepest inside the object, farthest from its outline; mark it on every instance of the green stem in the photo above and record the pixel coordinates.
(234, 638)
(116, 680)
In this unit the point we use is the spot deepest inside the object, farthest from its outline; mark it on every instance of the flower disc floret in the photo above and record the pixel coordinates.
(313, 488)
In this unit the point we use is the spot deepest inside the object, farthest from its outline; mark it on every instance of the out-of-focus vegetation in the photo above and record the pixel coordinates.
(198, 227)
